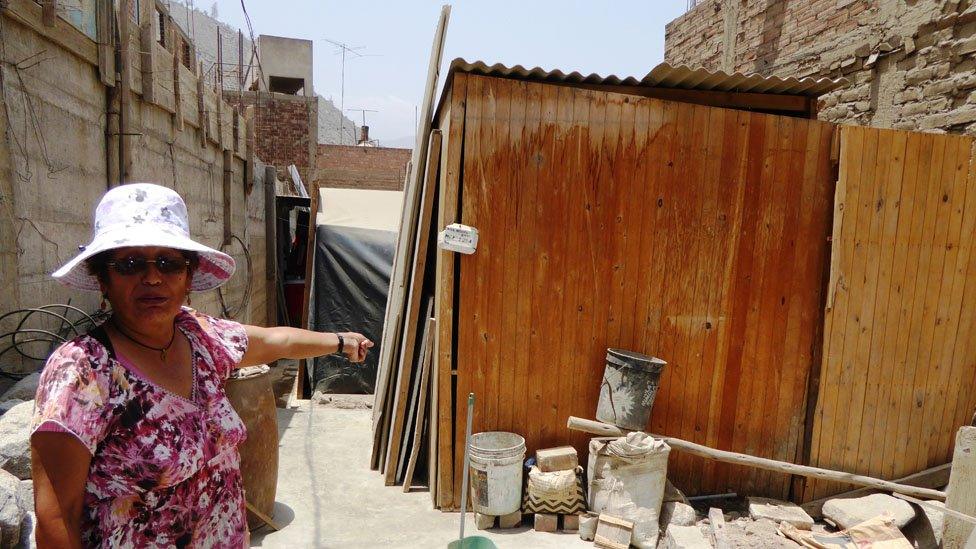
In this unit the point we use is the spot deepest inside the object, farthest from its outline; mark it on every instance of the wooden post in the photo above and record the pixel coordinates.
(147, 50)
(271, 244)
(48, 12)
(961, 493)
(177, 88)
(605, 429)
(204, 124)
(228, 178)
(125, 94)
(304, 390)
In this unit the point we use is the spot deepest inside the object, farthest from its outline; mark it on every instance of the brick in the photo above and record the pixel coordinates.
(571, 523)
(484, 522)
(511, 520)
(562, 458)
(546, 523)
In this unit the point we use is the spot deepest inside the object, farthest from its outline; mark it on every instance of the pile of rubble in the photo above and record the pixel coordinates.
(762, 522)
(16, 488)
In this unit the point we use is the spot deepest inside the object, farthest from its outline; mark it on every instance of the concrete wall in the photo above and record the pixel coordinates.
(910, 65)
(352, 167)
(286, 57)
(53, 163)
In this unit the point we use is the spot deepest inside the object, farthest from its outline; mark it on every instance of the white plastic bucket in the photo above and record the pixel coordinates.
(496, 472)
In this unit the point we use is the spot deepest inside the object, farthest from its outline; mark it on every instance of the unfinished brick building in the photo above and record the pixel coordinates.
(911, 65)
(355, 167)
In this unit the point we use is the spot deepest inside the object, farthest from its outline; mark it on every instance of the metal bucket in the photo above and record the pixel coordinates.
(630, 382)
(250, 393)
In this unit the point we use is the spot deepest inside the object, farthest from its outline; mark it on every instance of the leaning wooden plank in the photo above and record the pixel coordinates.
(421, 412)
(412, 313)
(935, 477)
(445, 299)
(599, 428)
(381, 398)
(402, 259)
(412, 416)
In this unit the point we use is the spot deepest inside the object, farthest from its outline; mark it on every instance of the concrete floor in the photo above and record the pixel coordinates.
(328, 497)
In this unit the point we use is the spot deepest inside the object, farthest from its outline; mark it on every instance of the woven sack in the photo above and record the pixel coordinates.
(556, 492)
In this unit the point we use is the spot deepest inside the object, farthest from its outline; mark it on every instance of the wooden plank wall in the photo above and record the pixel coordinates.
(898, 367)
(691, 233)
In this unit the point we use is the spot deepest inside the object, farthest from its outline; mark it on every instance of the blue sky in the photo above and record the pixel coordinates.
(619, 37)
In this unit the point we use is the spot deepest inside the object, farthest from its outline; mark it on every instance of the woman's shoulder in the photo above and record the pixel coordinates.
(84, 351)
(82, 363)
(226, 334)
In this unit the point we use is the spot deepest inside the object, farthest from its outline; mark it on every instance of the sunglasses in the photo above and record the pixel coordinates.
(139, 265)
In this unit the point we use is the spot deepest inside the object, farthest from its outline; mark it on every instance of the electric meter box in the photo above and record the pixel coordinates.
(458, 238)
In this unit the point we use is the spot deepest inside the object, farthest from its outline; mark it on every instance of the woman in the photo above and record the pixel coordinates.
(134, 441)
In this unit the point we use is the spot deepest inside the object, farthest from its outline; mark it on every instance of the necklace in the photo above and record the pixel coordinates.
(161, 350)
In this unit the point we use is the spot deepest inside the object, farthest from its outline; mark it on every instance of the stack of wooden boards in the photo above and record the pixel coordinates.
(406, 396)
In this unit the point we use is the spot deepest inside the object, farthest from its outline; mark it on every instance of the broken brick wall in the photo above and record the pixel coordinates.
(911, 65)
(285, 130)
(352, 167)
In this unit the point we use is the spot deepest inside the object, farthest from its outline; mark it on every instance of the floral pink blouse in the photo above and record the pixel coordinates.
(165, 470)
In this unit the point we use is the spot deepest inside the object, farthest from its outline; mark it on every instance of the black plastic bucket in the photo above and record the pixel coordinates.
(630, 382)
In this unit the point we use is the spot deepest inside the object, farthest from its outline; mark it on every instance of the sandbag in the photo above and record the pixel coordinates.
(627, 477)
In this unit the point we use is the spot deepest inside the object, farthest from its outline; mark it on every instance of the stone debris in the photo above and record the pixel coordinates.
(925, 532)
(6, 405)
(747, 533)
(15, 440)
(674, 513)
(23, 390)
(779, 511)
(685, 537)
(11, 511)
(846, 513)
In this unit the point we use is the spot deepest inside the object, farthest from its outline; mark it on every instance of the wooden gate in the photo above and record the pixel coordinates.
(898, 375)
(695, 234)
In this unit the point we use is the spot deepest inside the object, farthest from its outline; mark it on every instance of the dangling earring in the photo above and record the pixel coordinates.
(103, 305)
(188, 300)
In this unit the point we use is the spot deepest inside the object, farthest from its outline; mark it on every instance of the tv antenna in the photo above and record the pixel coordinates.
(364, 111)
(355, 52)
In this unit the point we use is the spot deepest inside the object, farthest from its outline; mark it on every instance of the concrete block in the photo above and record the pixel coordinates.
(678, 514)
(511, 520)
(562, 458)
(546, 523)
(571, 523)
(961, 492)
(484, 522)
(850, 512)
(685, 537)
(779, 511)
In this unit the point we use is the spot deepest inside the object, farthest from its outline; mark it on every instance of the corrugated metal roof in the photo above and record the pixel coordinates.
(664, 76)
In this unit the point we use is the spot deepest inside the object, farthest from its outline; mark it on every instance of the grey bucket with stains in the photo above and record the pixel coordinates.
(630, 383)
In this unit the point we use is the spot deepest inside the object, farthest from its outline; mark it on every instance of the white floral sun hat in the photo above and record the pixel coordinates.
(143, 214)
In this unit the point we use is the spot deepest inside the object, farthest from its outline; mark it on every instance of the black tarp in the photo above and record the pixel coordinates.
(352, 277)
